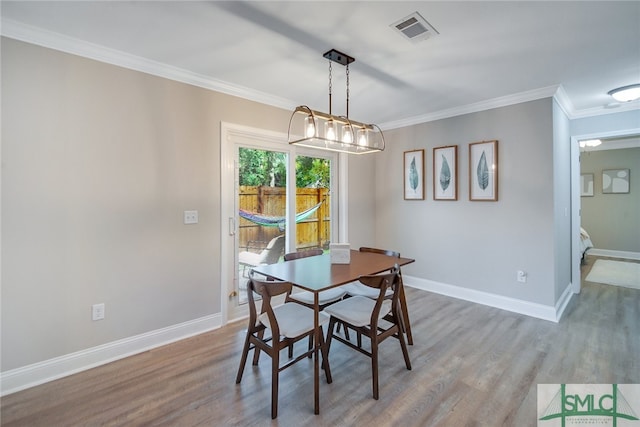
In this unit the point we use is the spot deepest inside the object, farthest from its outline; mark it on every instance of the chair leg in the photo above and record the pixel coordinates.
(290, 347)
(325, 359)
(332, 325)
(243, 359)
(275, 364)
(346, 331)
(256, 352)
(374, 366)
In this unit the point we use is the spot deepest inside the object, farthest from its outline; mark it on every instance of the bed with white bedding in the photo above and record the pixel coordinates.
(585, 242)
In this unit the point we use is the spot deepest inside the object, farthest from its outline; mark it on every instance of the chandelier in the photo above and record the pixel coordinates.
(315, 129)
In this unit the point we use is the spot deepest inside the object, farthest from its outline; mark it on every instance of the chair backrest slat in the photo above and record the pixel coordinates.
(303, 254)
(380, 251)
(383, 282)
(266, 289)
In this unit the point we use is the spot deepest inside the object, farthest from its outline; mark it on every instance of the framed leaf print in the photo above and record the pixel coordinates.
(414, 175)
(445, 173)
(483, 171)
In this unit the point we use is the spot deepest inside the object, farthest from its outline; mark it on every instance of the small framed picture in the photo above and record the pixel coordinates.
(445, 173)
(414, 175)
(483, 171)
(586, 184)
(615, 181)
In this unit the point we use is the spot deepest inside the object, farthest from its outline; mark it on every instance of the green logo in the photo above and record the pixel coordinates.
(585, 402)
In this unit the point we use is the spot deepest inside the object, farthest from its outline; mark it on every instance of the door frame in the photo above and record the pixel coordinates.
(576, 214)
(232, 134)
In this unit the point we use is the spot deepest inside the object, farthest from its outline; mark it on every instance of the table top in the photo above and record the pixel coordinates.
(316, 273)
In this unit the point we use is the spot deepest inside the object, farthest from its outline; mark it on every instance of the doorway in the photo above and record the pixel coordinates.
(576, 204)
(276, 198)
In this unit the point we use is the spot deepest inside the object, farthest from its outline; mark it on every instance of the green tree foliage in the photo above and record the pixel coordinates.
(260, 167)
(268, 168)
(312, 172)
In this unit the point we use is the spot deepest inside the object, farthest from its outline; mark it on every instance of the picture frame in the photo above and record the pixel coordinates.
(615, 181)
(445, 173)
(413, 175)
(586, 185)
(483, 171)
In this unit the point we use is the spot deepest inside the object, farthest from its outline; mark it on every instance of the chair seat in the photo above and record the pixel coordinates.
(249, 258)
(357, 310)
(324, 297)
(293, 319)
(355, 289)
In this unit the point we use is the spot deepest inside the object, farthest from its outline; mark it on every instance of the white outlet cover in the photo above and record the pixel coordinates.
(190, 217)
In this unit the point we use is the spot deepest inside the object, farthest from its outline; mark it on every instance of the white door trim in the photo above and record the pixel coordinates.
(232, 134)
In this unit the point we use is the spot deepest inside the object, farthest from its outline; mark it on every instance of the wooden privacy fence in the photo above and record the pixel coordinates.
(314, 231)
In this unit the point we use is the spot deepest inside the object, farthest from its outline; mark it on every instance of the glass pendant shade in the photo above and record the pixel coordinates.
(330, 131)
(362, 138)
(347, 134)
(310, 127)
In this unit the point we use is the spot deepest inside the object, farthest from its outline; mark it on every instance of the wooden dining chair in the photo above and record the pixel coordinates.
(364, 314)
(306, 298)
(358, 289)
(288, 324)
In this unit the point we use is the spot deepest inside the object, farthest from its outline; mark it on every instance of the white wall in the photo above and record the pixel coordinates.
(478, 245)
(617, 123)
(561, 200)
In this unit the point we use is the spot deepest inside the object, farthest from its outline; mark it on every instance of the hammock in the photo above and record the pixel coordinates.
(276, 221)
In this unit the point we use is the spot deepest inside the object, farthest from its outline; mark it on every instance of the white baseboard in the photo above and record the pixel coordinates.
(39, 373)
(614, 254)
(563, 301)
(540, 311)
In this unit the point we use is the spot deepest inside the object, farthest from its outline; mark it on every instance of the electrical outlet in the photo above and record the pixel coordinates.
(190, 217)
(97, 311)
(521, 276)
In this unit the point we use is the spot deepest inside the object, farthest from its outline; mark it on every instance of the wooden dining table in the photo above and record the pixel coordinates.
(317, 273)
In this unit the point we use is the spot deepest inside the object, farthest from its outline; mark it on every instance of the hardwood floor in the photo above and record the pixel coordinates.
(472, 366)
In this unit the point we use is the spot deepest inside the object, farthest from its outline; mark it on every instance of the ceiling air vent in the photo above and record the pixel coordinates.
(414, 27)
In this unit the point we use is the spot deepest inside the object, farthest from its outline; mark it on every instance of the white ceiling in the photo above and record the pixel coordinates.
(486, 53)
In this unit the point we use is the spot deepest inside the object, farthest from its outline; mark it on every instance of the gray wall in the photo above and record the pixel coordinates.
(98, 165)
(479, 245)
(612, 220)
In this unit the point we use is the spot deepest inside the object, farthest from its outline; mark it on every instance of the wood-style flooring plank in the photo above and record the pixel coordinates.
(472, 366)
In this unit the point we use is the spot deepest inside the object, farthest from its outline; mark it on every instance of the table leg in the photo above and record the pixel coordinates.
(316, 354)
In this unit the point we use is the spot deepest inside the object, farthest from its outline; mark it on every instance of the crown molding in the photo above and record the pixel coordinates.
(612, 108)
(57, 41)
(517, 98)
(52, 40)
